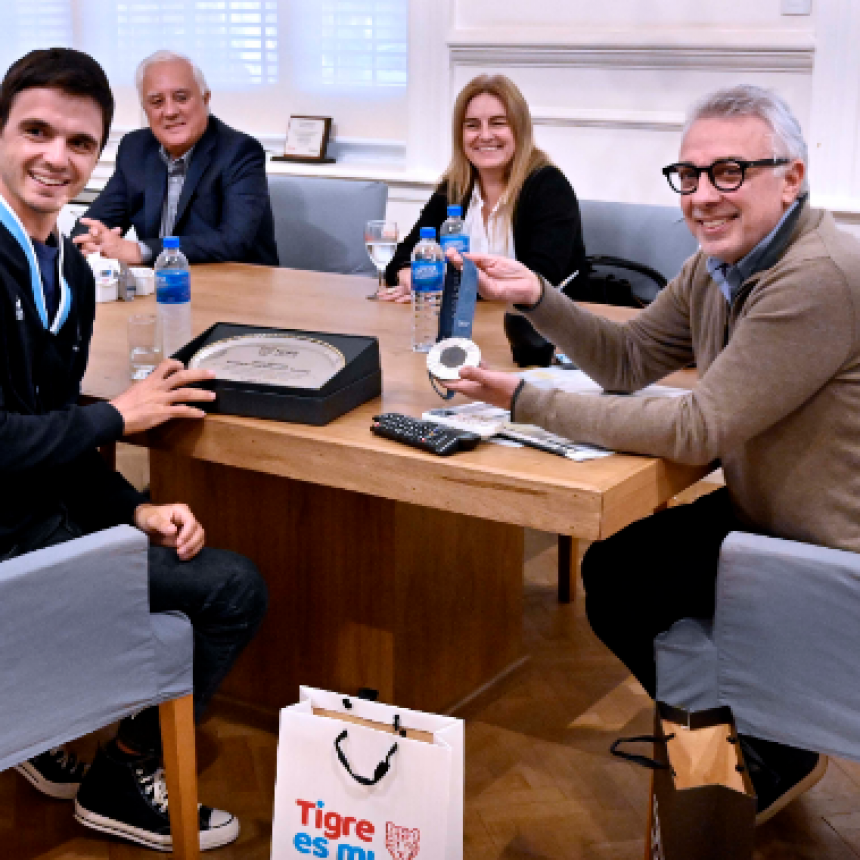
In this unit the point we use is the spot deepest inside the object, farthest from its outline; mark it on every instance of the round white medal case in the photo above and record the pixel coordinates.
(447, 357)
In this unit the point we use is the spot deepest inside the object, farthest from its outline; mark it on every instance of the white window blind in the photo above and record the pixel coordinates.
(263, 59)
(363, 43)
(31, 24)
(235, 42)
(348, 59)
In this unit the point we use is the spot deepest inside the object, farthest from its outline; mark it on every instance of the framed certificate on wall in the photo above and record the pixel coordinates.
(307, 140)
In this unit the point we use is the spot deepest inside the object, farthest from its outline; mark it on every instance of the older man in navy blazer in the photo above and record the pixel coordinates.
(187, 175)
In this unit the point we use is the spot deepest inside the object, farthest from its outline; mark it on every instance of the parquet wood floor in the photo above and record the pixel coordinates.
(540, 783)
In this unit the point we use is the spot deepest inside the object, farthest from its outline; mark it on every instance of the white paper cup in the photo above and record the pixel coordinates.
(144, 280)
(107, 287)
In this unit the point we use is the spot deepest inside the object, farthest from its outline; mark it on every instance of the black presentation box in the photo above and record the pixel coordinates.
(359, 381)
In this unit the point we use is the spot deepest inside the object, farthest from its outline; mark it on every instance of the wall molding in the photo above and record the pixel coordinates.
(718, 50)
(613, 119)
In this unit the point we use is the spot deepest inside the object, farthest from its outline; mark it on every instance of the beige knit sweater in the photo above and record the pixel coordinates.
(778, 400)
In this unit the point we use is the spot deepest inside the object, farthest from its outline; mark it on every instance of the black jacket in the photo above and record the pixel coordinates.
(546, 227)
(48, 456)
(224, 212)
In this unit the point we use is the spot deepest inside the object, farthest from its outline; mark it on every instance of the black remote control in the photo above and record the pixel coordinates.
(426, 435)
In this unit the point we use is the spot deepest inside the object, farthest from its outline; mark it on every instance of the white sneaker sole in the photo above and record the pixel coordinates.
(213, 838)
(57, 790)
(804, 785)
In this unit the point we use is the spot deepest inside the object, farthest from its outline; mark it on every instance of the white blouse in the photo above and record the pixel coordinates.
(491, 238)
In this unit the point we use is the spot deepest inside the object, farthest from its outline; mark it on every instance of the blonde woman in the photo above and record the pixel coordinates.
(516, 203)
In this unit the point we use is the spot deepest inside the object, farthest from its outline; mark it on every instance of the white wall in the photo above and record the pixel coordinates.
(608, 83)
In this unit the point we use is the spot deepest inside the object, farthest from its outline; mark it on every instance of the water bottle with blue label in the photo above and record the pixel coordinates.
(452, 234)
(428, 279)
(173, 296)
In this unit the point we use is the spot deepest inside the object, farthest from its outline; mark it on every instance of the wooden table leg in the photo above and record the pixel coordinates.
(568, 568)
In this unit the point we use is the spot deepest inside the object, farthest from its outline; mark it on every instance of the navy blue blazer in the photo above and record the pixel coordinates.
(224, 212)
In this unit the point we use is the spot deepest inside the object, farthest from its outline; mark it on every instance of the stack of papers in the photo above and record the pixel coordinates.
(577, 382)
(491, 422)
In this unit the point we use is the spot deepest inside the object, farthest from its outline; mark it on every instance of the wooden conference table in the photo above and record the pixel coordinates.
(387, 567)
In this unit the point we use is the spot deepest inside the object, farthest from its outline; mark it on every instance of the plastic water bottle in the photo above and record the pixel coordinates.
(428, 279)
(452, 233)
(173, 296)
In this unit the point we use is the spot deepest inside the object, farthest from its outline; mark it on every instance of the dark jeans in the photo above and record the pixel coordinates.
(221, 592)
(643, 579)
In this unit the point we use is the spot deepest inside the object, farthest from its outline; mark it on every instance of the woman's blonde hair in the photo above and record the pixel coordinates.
(461, 174)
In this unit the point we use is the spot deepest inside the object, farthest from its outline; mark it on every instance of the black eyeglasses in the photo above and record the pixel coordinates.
(726, 174)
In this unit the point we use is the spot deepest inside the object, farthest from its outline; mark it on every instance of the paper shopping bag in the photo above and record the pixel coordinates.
(702, 802)
(361, 780)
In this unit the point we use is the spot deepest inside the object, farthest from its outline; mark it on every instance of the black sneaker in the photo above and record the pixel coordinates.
(127, 797)
(779, 773)
(57, 773)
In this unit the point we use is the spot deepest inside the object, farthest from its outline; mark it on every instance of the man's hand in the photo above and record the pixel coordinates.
(171, 525)
(108, 242)
(501, 279)
(491, 386)
(402, 293)
(160, 396)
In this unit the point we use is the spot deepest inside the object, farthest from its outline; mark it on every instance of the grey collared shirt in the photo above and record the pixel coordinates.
(177, 170)
(729, 278)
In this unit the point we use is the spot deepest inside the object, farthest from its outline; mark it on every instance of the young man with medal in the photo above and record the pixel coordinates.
(55, 113)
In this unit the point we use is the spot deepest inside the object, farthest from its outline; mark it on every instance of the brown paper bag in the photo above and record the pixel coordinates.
(702, 802)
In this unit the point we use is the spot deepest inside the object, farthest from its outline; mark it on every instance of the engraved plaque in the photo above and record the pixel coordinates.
(291, 361)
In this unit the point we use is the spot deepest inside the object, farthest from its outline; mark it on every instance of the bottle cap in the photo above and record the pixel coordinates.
(455, 210)
(428, 233)
(170, 242)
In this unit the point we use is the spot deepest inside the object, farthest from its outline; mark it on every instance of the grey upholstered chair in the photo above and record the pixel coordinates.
(653, 235)
(79, 650)
(319, 222)
(782, 649)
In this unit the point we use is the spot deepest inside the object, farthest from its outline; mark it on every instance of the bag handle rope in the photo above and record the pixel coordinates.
(381, 769)
(641, 760)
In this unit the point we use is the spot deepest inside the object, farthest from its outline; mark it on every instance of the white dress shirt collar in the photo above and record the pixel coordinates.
(494, 237)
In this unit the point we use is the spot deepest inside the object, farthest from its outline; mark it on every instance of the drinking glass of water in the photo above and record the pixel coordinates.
(380, 239)
(144, 345)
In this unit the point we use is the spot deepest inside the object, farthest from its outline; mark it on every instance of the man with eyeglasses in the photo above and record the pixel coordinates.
(768, 309)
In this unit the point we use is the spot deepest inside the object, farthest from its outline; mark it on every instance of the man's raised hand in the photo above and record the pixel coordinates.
(108, 242)
(161, 396)
(501, 279)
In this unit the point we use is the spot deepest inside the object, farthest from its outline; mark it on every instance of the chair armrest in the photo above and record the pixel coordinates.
(788, 640)
(75, 638)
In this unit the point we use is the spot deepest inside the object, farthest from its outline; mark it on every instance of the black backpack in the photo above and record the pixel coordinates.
(601, 282)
